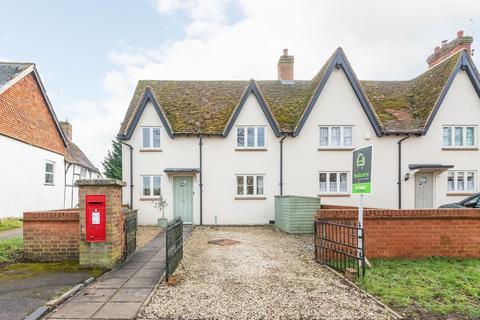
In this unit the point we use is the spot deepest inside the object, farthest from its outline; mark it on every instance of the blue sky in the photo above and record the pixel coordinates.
(90, 54)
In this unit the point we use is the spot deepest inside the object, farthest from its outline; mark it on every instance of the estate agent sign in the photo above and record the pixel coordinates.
(362, 170)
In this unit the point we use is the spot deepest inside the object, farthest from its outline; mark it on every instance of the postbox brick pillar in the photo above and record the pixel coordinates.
(103, 253)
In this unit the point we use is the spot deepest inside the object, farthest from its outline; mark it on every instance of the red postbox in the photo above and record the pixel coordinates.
(95, 216)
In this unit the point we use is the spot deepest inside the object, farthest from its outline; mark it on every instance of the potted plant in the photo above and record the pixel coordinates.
(162, 204)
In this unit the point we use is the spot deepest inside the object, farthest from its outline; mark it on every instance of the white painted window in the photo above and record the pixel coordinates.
(250, 185)
(251, 137)
(333, 182)
(83, 172)
(150, 137)
(461, 181)
(336, 136)
(460, 136)
(49, 172)
(151, 186)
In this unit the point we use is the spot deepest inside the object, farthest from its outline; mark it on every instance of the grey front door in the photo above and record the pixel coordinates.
(183, 198)
(424, 190)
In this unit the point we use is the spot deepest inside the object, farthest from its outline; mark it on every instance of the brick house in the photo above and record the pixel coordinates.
(34, 157)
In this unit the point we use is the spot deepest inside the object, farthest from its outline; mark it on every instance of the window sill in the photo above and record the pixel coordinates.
(460, 193)
(149, 198)
(150, 150)
(460, 148)
(49, 184)
(251, 149)
(250, 198)
(334, 195)
(336, 149)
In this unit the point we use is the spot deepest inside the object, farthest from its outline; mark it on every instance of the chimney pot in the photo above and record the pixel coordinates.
(460, 34)
(437, 48)
(285, 52)
(447, 49)
(285, 67)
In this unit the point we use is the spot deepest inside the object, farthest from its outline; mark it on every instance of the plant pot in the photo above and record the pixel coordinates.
(162, 222)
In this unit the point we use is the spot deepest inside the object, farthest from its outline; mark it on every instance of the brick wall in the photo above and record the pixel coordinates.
(24, 115)
(415, 233)
(51, 235)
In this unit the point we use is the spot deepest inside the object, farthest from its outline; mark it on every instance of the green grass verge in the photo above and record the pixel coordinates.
(10, 223)
(438, 286)
(25, 270)
(11, 250)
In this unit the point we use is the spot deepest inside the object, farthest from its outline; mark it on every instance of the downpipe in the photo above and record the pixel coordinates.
(399, 182)
(131, 172)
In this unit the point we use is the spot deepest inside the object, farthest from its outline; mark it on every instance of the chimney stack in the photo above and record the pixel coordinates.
(285, 67)
(67, 129)
(448, 49)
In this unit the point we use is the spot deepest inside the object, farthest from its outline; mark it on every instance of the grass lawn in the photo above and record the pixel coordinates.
(11, 250)
(10, 223)
(428, 287)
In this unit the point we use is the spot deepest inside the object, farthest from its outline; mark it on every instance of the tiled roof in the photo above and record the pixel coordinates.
(9, 70)
(206, 106)
(406, 105)
(75, 155)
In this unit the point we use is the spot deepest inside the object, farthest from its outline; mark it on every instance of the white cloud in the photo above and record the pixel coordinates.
(382, 39)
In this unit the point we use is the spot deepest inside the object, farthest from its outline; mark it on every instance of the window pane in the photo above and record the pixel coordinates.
(470, 136)
(156, 137)
(156, 186)
(260, 137)
(460, 181)
(347, 136)
(259, 185)
(240, 185)
(324, 136)
(471, 181)
(48, 178)
(458, 136)
(240, 137)
(146, 137)
(146, 185)
(323, 182)
(250, 137)
(343, 182)
(250, 185)
(333, 182)
(447, 136)
(335, 136)
(451, 181)
(49, 167)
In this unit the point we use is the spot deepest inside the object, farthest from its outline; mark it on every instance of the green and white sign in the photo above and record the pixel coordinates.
(362, 170)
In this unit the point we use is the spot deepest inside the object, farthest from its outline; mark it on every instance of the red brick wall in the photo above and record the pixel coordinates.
(24, 115)
(51, 235)
(415, 233)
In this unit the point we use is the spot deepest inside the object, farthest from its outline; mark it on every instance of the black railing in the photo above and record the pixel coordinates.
(130, 227)
(174, 246)
(340, 245)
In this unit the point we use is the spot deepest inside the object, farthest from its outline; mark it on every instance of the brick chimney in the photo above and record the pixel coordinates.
(67, 129)
(285, 67)
(447, 49)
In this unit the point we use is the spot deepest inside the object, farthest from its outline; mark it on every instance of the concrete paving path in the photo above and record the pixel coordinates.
(10, 234)
(120, 293)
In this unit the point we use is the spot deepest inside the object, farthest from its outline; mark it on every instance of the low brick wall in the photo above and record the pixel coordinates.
(51, 235)
(415, 233)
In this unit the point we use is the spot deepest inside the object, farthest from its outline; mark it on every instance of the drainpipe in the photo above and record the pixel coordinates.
(400, 171)
(131, 172)
(73, 183)
(200, 144)
(281, 164)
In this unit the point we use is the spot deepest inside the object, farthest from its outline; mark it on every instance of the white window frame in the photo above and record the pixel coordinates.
(465, 182)
(46, 173)
(328, 190)
(255, 191)
(342, 135)
(255, 137)
(82, 171)
(150, 146)
(150, 186)
(464, 137)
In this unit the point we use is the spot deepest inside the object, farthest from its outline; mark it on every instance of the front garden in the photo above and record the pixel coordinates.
(431, 288)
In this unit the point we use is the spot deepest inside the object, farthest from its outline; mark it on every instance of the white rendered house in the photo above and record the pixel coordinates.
(219, 151)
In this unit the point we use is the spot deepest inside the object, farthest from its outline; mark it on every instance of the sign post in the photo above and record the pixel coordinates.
(362, 180)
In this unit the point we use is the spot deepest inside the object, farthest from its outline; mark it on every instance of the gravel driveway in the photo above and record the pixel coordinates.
(268, 275)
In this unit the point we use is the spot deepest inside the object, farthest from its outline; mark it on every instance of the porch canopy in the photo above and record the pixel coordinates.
(429, 167)
(181, 170)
